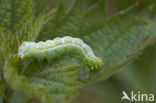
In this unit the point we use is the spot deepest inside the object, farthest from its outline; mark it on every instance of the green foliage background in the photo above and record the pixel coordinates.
(137, 23)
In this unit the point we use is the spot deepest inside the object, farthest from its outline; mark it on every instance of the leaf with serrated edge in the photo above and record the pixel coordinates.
(117, 40)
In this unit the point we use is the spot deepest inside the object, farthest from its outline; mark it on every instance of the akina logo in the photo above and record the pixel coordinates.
(137, 96)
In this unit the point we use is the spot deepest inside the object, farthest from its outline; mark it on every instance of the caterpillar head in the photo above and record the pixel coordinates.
(94, 63)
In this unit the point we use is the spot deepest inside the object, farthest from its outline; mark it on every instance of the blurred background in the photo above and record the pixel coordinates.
(140, 75)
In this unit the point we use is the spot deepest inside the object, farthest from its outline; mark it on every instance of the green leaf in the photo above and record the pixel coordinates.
(76, 22)
(9, 63)
(42, 79)
(20, 83)
(31, 30)
(122, 40)
(144, 66)
(118, 40)
(14, 14)
(61, 78)
(9, 43)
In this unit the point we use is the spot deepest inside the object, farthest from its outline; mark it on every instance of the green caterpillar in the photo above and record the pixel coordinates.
(66, 46)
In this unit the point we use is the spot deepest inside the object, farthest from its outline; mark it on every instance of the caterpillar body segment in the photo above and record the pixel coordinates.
(66, 46)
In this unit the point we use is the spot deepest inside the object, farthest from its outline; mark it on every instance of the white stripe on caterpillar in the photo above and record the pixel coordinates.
(66, 46)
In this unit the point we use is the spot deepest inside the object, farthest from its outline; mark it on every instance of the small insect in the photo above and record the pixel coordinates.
(66, 46)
